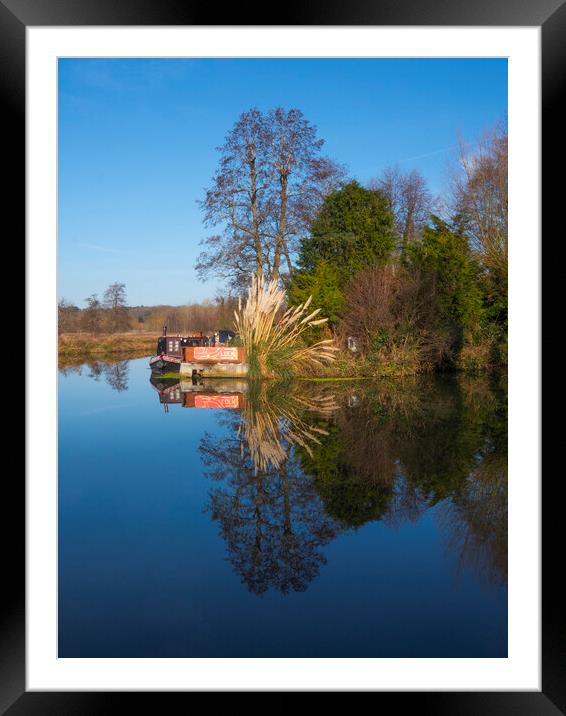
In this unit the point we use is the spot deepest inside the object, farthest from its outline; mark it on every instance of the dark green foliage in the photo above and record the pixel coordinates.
(379, 341)
(349, 496)
(495, 296)
(324, 285)
(354, 229)
(451, 278)
(405, 447)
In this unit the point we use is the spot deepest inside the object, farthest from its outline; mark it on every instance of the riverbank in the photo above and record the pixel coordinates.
(77, 348)
(80, 347)
(352, 367)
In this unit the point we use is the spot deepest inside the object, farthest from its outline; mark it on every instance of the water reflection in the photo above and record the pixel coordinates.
(115, 374)
(295, 465)
(270, 514)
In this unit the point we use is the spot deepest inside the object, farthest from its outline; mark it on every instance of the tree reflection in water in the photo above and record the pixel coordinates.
(116, 374)
(304, 462)
(474, 521)
(270, 515)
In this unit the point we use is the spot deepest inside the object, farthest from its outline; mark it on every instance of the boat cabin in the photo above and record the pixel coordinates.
(173, 345)
(225, 336)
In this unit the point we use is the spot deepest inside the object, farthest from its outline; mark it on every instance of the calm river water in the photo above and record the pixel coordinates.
(319, 519)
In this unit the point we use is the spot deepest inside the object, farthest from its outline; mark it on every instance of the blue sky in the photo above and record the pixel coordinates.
(137, 141)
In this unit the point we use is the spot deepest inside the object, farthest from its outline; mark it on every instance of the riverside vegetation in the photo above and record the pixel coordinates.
(418, 282)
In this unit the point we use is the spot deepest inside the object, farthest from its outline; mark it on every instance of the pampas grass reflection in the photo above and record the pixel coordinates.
(274, 419)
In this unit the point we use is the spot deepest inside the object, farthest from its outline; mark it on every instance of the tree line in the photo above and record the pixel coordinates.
(109, 315)
(113, 315)
(417, 280)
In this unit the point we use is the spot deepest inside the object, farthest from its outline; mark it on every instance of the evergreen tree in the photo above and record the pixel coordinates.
(354, 229)
(452, 277)
(324, 285)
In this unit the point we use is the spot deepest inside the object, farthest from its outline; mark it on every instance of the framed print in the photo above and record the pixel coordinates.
(288, 424)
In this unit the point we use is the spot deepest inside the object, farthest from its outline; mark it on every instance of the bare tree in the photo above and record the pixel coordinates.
(411, 201)
(270, 182)
(67, 317)
(192, 317)
(237, 201)
(301, 180)
(91, 315)
(370, 300)
(117, 375)
(115, 302)
(115, 296)
(479, 197)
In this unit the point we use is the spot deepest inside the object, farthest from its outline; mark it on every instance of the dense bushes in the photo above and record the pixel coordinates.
(390, 310)
(438, 304)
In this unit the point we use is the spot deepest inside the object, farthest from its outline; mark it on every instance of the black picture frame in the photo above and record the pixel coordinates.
(15, 16)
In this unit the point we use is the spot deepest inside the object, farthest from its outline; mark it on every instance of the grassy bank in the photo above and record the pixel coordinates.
(79, 347)
(402, 364)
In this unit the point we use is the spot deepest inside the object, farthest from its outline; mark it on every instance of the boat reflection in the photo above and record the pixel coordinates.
(195, 393)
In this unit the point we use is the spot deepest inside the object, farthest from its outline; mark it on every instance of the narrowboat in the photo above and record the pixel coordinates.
(169, 354)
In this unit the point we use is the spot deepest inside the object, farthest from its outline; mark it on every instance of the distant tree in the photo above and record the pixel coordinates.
(91, 316)
(67, 317)
(410, 200)
(354, 229)
(270, 182)
(225, 307)
(115, 296)
(117, 311)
